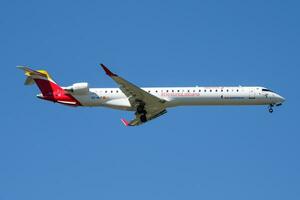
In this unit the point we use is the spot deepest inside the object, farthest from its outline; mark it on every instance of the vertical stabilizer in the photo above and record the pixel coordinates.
(43, 80)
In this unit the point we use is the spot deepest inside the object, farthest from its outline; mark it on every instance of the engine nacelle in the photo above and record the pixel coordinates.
(78, 88)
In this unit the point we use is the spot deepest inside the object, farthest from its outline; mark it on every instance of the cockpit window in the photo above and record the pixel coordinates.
(266, 90)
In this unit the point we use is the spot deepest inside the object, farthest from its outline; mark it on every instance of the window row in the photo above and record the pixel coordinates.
(205, 90)
(182, 91)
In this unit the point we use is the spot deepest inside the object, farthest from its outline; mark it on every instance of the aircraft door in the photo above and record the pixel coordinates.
(252, 93)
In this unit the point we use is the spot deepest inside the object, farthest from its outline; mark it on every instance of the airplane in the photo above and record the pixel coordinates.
(150, 102)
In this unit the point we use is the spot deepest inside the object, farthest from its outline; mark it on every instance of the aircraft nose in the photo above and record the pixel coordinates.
(280, 98)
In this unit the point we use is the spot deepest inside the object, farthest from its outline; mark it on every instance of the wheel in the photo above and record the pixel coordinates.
(143, 118)
(270, 110)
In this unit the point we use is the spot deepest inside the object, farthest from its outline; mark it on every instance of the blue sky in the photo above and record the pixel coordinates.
(49, 151)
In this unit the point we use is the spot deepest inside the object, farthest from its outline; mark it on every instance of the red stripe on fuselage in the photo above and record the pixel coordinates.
(53, 92)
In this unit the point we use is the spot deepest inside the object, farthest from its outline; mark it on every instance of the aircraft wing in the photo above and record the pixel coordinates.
(153, 105)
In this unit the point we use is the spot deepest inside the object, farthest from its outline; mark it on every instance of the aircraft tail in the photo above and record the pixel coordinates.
(43, 80)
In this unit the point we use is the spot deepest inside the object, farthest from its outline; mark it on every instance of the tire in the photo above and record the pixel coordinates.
(143, 118)
(270, 110)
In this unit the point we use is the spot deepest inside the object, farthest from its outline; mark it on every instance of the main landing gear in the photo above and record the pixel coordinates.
(142, 112)
(143, 118)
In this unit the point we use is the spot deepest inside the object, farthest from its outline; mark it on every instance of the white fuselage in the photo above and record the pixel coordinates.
(147, 103)
(184, 96)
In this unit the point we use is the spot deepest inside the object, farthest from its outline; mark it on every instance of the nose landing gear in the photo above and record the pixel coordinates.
(271, 108)
(272, 105)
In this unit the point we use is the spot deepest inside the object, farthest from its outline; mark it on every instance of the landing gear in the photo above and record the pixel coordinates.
(271, 108)
(143, 118)
(140, 110)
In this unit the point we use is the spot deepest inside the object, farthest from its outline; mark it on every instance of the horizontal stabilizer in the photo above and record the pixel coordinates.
(34, 73)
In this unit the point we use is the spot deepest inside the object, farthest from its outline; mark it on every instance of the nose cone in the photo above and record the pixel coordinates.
(279, 98)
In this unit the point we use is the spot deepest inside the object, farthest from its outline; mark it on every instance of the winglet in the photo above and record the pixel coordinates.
(107, 71)
(125, 122)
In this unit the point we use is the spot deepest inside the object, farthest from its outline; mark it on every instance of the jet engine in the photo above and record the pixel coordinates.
(78, 88)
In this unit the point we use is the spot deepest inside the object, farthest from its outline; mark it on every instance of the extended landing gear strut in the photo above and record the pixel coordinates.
(141, 110)
(272, 105)
(271, 108)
